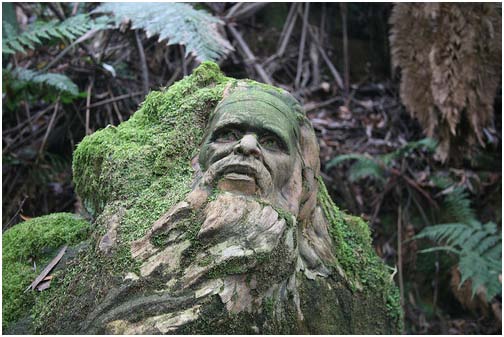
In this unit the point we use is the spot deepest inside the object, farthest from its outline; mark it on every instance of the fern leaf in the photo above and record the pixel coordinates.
(176, 22)
(366, 168)
(487, 243)
(457, 207)
(427, 144)
(26, 41)
(70, 29)
(479, 250)
(344, 157)
(6, 49)
(17, 46)
(58, 82)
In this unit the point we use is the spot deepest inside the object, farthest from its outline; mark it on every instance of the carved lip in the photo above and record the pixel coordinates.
(238, 172)
(244, 169)
(239, 169)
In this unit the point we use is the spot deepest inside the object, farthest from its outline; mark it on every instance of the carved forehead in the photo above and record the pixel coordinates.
(274, 110)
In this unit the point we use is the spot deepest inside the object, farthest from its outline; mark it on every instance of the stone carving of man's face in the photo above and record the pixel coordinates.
(251, 147)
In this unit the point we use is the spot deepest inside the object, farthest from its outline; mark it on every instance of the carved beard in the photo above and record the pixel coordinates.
(243, 232)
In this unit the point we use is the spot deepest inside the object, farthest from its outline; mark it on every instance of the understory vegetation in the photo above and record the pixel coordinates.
(421, 165)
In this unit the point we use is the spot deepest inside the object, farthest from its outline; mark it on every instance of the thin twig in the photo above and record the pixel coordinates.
(308, 108)
(115, 99)
(399, 254)
(4, 228)
(248, 10)
(47, 269)
(248, 55)
(183, 60)
(143, 63)
(56, 11)
(173, 77)
(302, 46)
(114, 104)
(75, 8)
(343, 9)
(88, 106)
(233, 10)
(332, 68)
(285, 35)
(34, 118)
(49, 129)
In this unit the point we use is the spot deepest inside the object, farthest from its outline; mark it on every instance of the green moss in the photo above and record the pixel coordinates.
(36, 240)
(356, 256)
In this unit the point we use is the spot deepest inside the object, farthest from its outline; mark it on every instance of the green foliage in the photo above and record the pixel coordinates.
(456, 206)
(478, 247)
(58, 82)
(365, 166)
(376, 167)
(177, 22)
(36, 240)
(40, 32)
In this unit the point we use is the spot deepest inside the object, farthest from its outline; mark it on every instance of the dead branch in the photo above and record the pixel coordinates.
(248, 55)
(49, 129)
(143, 63)
(302, 46)
(343, 9)
(332, 68)
(88, 103)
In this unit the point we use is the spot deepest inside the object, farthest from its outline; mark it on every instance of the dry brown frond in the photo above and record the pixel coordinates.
(450, 57)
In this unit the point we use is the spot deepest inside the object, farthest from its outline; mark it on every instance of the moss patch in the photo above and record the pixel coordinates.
(356, 256)
(37, 240)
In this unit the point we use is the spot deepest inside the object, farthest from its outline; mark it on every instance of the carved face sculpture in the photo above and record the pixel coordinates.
(251, 147)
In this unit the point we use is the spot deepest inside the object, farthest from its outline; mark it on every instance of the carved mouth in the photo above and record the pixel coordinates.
(236, 173)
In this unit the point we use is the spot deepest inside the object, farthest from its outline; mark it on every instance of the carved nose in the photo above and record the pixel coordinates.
(248, 146)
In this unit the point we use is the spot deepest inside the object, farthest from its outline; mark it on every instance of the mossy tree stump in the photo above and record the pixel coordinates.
(210, 217)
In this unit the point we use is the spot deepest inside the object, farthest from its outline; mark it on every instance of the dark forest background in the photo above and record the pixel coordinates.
(405, 99)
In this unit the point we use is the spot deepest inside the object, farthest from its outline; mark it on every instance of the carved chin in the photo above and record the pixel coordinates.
(236, 182)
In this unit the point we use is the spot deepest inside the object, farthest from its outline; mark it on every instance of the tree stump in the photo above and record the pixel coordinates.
(210, 217)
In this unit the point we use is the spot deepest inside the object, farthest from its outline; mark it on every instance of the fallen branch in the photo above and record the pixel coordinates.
(332, 68)
(237, 13)
(302, 46)
(248, 55)
(49, 129)
(88, 102)
(114, 99)
(143, 63)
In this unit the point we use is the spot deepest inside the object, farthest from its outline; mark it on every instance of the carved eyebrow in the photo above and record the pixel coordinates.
(246, 127)
(226, 126)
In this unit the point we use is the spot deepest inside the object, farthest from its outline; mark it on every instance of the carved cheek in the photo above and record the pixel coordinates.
(281, 165)
(218, 151)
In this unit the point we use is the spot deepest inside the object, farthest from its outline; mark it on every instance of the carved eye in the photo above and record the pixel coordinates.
(226, 136)
(271, 143)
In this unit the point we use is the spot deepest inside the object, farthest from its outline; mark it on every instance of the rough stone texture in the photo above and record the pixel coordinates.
(238, 237)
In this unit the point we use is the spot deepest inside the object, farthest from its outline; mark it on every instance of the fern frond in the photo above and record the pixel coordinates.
(426, 144)
(479, 250)
(70, 29)
(59, 82)
(457, 207)
(344, 157)
(365, 166)
(176, 22)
